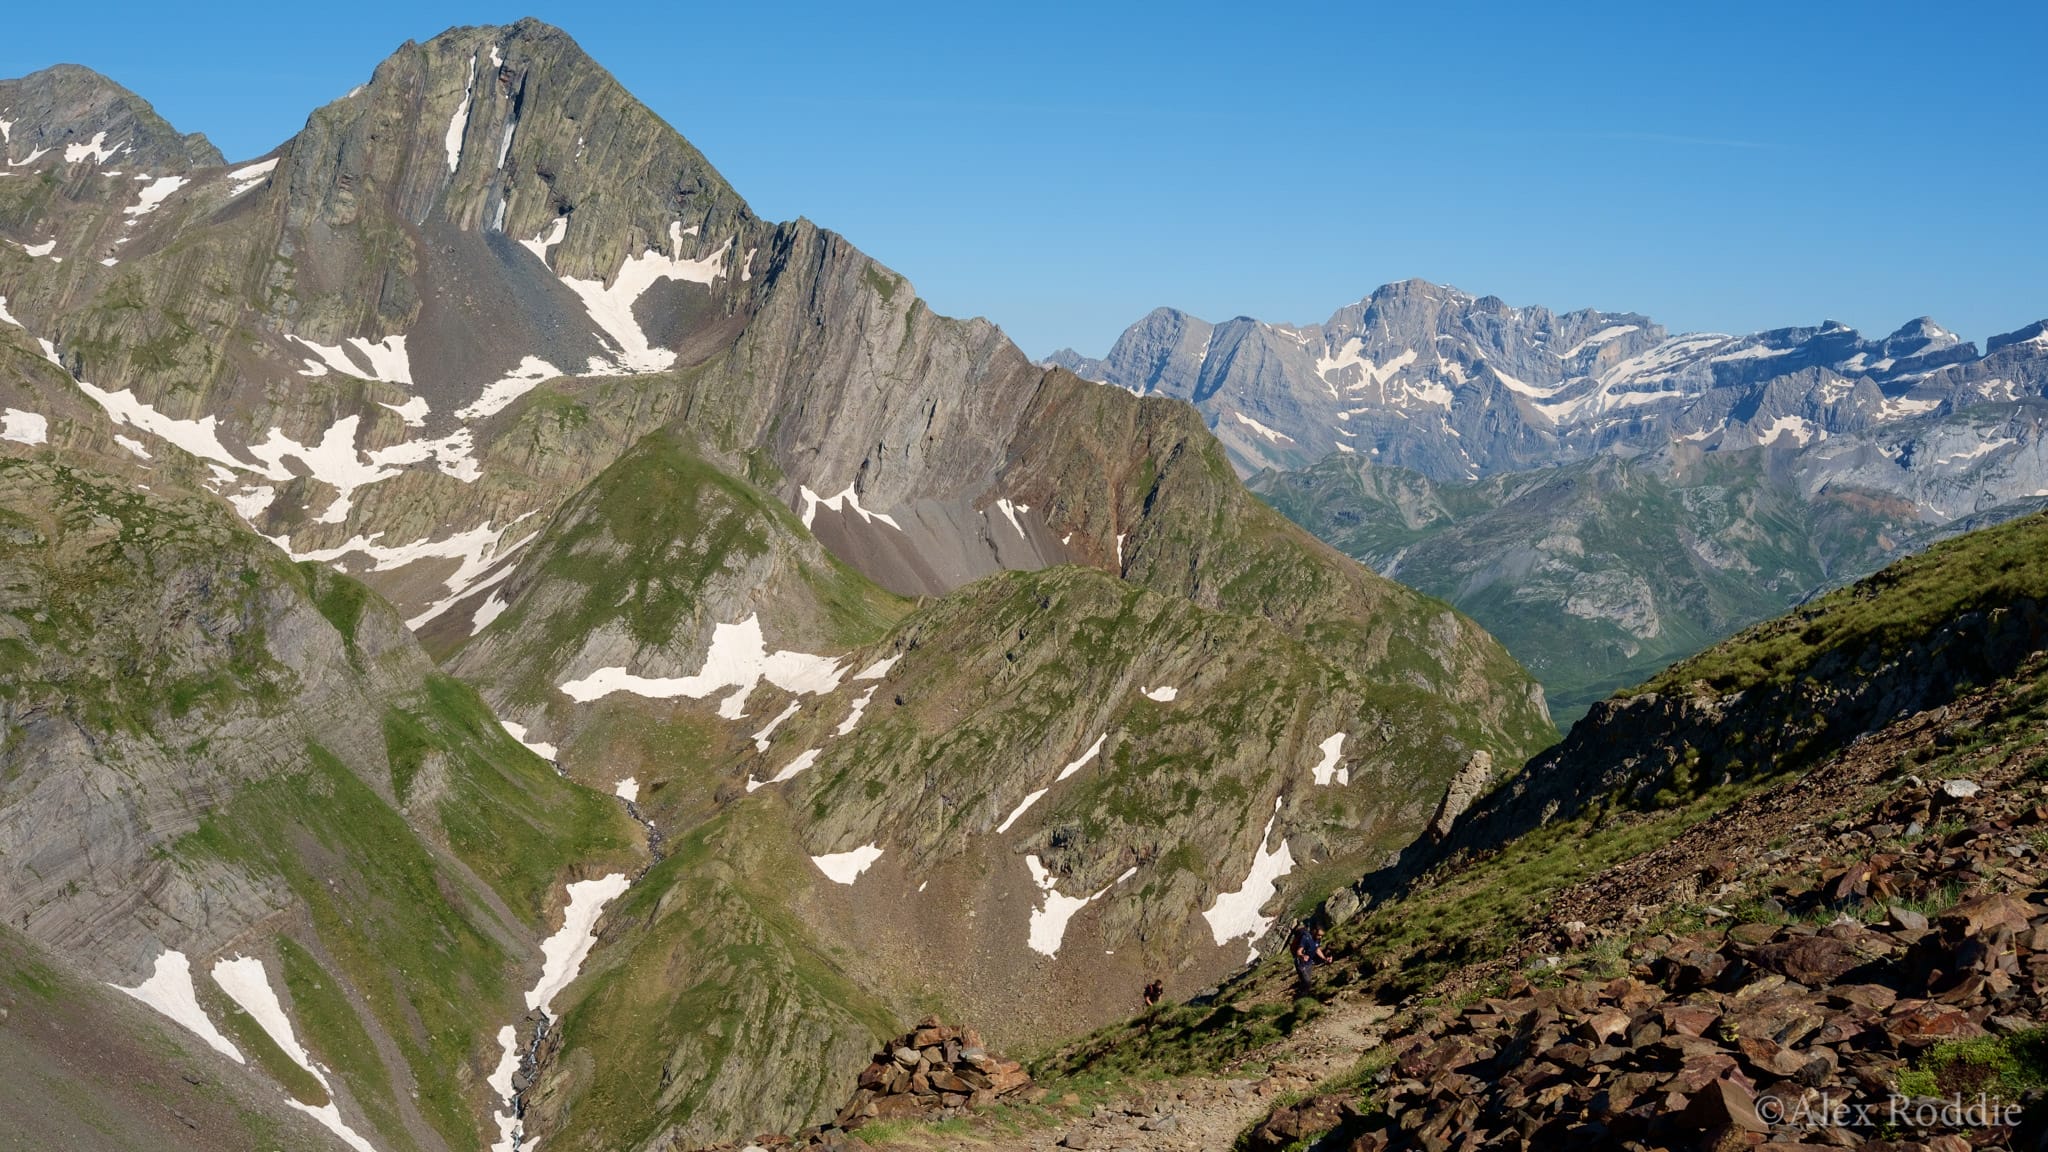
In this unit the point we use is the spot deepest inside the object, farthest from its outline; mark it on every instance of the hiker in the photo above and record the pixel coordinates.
(1153, 992)
(1308, 952)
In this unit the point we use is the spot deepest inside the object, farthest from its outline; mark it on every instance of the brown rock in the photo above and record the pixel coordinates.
(1987, 914)
(1723, 1104)
(1812, 960)
(1924, 1023)
(1868, 995)
(1688, 1019)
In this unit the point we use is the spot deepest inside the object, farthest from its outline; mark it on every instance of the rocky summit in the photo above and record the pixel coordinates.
(501, 646)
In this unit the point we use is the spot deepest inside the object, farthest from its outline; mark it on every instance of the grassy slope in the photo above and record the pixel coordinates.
(709, 973)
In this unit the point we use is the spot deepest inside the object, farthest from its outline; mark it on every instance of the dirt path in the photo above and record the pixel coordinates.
(1197, 1113)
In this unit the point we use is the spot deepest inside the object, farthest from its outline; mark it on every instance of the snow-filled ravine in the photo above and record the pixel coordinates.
(562, 956)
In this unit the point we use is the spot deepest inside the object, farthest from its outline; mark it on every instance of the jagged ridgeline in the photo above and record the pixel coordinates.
(482, 425)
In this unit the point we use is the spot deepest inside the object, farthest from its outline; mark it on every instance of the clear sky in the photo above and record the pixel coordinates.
(1062, 169)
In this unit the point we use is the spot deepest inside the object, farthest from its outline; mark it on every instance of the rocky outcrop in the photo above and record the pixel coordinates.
(1468, 785)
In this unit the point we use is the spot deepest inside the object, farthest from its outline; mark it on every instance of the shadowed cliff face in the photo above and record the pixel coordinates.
(891, 636)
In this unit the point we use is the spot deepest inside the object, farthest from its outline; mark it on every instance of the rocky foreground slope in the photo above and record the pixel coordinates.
(801, 661)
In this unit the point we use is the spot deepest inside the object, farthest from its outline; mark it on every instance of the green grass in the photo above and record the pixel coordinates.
(2003, 1067)
(707, 953)
(644, 543)
(327, 1024)
(404, 937)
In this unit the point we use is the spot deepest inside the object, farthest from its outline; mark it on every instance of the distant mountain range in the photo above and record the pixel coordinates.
(1605, 496)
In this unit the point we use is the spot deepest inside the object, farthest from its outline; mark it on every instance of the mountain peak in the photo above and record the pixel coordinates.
(93, 119)
(2035, 333)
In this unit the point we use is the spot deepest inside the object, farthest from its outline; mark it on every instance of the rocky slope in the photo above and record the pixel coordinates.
(661, 481)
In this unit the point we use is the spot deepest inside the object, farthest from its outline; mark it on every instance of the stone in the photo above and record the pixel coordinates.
(1079, 1139)
(1905, 918)
(1340, 907)
(1960, 789)
(1987, 914)
(1688, 1019)
(1723, 1103)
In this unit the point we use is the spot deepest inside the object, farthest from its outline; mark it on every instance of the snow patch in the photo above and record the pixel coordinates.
(387, 359)
(1082, 761)
(737, 658)
(1022, 807)
(252, 502)
(847, 500)
(563, 953)
(245, 982)
(43, 249)
(790, 771)
(24, 427)
(846, 867)
(1164, 695)
(612, 306)
(1270, 435)
(1049, 920)
(413, 411)
(153, 196)
(1010, 510)
(1801, 430)
(458, 124)
(169, 991)
(95, 148)
(627, 790)
(250, 176)
(132, 444)
(878, 669)
(540, 244)
(518, 732)
(501, 393)
(1600, 337)
(1236, 913)
(1326, 769)
(199, 437)
(761, 737)
(860, 707)
(492, 608)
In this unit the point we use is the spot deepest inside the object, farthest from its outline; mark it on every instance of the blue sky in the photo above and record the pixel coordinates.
(1062, 169)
